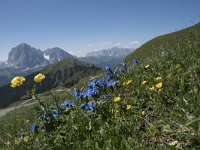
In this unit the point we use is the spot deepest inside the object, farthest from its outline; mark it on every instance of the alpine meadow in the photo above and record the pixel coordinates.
(146, 97)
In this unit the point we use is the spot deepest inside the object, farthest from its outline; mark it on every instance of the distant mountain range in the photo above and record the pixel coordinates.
(113, 52)
(104, 57)
(25, 59)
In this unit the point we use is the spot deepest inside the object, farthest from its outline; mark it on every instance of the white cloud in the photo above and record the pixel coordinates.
(106, 43)
(117, 44)
(133, 42)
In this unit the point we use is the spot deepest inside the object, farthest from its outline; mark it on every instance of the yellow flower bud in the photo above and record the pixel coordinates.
(143, 113)
(158, 78)
(147, 66)
(17, 81)
(39, 78)
(129, 82)
(116, 111)
(159, 85)
(117, 99)
(128, 107)
(144, 82)
(151, 88)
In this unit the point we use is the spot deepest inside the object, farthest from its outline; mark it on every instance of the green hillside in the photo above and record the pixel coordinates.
(153, 105)
(64, 73)
(173, 41)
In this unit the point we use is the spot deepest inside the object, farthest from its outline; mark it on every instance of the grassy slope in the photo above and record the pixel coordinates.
(164, 43)
(157, 118)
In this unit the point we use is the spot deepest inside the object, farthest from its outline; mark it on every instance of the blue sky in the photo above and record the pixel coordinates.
(80, 26)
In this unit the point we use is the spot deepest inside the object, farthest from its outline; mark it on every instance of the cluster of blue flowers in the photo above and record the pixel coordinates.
(89, 106)
(136, 61)
(95, 86)
(94, 89)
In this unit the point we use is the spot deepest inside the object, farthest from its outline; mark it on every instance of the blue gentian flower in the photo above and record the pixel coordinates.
(136, 60)
(76, 93)
(68, 103)
(107, 68)
(34, 127)
(55, 113)
(118, 70)
(111, 83)
(92, 92)
(109, 75)
(83, 94)
(123, 64)
(92, 83)
(101, 83)
(23, 134)
(89, 106)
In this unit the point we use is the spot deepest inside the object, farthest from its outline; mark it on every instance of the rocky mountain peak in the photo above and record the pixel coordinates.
(56, 54)
(25, 56)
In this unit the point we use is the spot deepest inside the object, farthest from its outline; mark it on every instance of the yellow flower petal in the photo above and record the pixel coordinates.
(144, 82)
(25, 139)
(147, 66)
(39, 78)
(17, 81)
(158, 78)
(151, 88)
(159, 85)
(117, 99)
(143, 113)
(128, 107)
(129, 82)
(116, 110)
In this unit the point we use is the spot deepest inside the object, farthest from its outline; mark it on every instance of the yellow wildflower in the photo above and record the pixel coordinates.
(25, 139)
(147, 66)
(117, 99)
(16, 142)
(144, 82)
(151, 88)
(17, 81)
(159, 85)
(158, 78)
(116, 111)
(143, 113)
(129, 82)
(128, 107)
(39, 78)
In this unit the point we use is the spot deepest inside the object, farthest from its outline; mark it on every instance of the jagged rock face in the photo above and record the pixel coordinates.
(113, 52)
(56, 54)
(25, 56)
